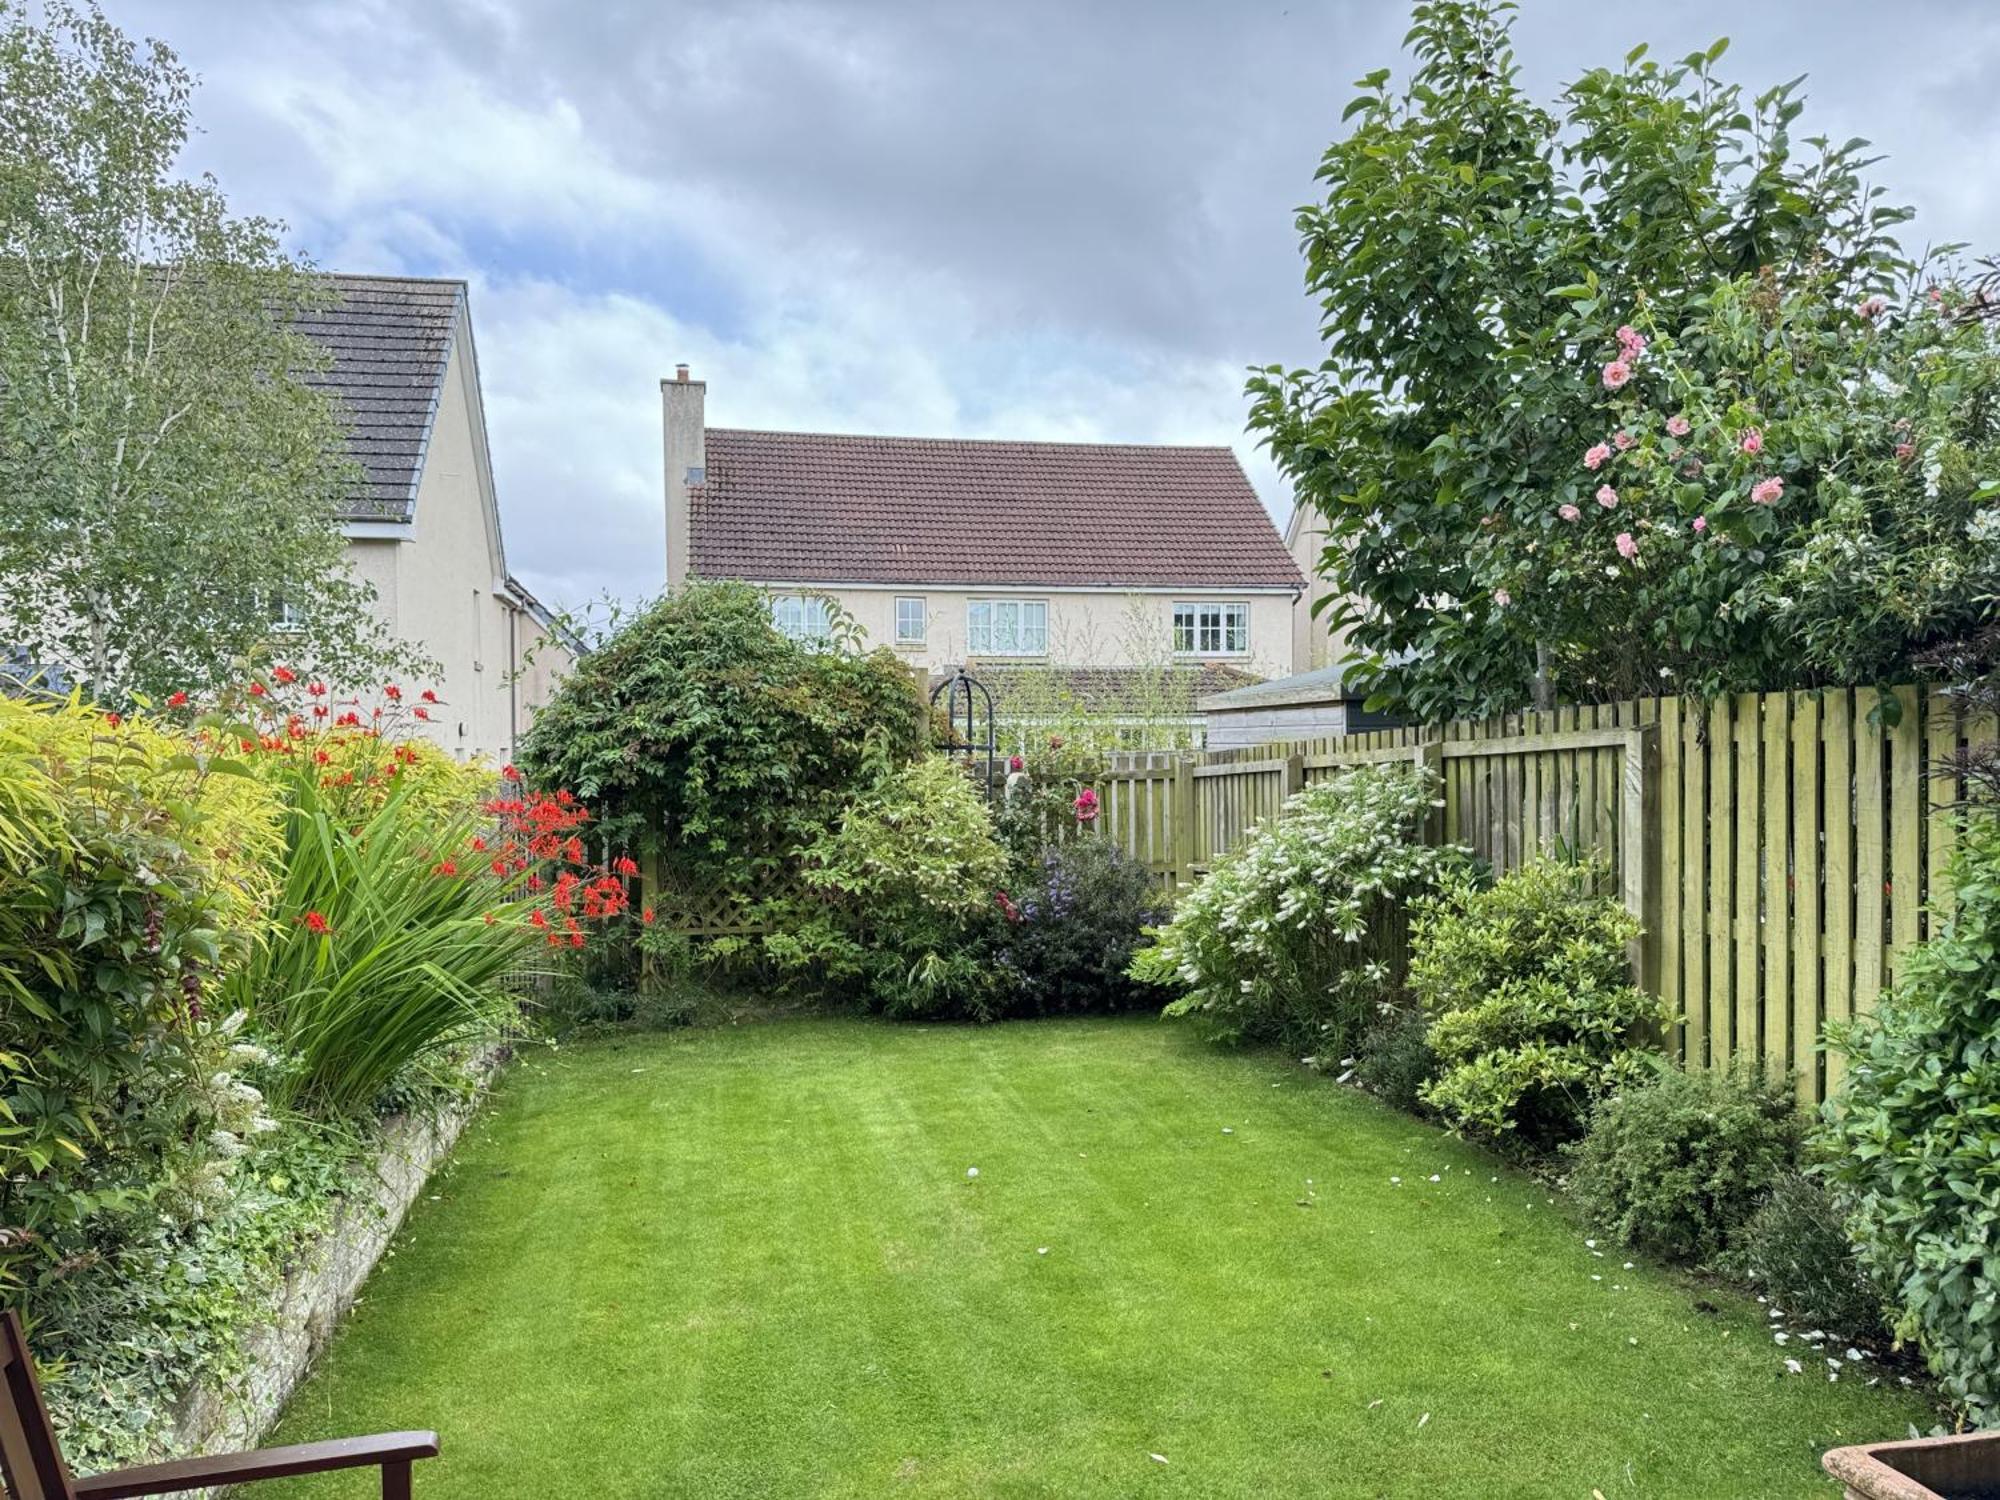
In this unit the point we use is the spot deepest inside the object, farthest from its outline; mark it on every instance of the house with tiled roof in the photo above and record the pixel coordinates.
(951, 551)
(423, 522)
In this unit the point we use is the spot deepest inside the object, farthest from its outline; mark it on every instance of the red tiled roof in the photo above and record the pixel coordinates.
(840, 508)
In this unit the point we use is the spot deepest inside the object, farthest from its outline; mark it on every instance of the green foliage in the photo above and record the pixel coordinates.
(139, 884)
(1295, 934)
(1473, 254)
(1795, 1246)
(382, 955)
(1393, 1059)
(1914, 1137)
(704, 738)
(166, 475)
(1533, 1013)
(1039, 808)
(1072, 927)
(901, 904)
(1676, 1163)
(163, 1303)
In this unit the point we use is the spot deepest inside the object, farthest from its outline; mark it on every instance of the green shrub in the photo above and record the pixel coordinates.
(901, 910)
(1914, 1137)
(1676, 1163)
(1070, 933)
(1535, 1015)
(132, 876)
(1297, 932)
(1394, 1060)
(702, 736)
(1796, 1247)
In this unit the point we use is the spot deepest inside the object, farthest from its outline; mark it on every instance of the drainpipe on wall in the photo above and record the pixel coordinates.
(513, 677)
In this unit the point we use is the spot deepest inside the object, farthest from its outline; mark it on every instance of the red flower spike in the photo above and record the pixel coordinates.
(177, 700)
(316, 924)
(283, 675)
(428, 696)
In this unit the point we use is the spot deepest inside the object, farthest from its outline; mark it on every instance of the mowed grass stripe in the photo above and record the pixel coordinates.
(750, 1262)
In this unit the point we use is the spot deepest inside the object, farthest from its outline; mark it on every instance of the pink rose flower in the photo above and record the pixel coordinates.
(1767, 491)
(1753, 440)
(1502, 598)
(1616, 374)
(1631, 341)
(1700, 524)
(1086, 805)
(1606, 496)
(1623, 440)
(1679, 425)
(1626, 546)
(1568, 512)
(1596, 454)
(1015, 763)
(1872, 307)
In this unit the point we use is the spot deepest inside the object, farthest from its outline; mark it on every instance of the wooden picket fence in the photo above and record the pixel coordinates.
(1779, 848)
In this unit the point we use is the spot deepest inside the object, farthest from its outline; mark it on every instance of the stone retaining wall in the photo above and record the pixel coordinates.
(306, 1310)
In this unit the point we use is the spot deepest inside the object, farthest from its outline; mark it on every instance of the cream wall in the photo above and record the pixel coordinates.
(438, 580)
(1095, 628)
(1314, 643)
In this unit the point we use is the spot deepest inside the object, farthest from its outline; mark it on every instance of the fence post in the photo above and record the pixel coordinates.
(1429, 756)
(1639, 847)
(1183, 819)
(1295, 773)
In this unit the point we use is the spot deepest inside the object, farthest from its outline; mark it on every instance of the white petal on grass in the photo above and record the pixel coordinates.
(1158, 1458)
(1421, 1420)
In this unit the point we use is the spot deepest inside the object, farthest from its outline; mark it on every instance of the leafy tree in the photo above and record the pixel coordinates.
(704, 737)
(1471, 251)
(167, 479)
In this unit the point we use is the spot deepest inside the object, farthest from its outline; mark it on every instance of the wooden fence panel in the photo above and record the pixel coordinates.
(1780, 848)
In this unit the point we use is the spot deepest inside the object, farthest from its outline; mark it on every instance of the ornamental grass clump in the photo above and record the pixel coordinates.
(1297, 934)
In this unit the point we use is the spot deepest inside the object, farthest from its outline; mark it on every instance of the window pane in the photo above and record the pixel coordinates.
(1035, 629)
(1007, 627)
(979, 628)
(1183, 627)
(1239, 628)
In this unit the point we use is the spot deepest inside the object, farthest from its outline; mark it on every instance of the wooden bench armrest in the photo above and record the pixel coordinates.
(265, 1463)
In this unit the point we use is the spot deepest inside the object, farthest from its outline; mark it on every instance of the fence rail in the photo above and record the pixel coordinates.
(1778, 848)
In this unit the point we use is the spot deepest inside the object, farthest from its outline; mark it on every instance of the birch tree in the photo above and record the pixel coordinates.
(169, 481)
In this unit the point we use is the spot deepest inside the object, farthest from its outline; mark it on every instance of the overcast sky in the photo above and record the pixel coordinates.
(1040, 219)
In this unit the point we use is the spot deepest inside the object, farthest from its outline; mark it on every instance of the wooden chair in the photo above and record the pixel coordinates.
(33, 1467)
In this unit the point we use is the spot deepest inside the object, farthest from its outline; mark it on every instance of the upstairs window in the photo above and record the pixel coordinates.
(912, 622)
(1007, 627)
(1211, 629)
(802, 617)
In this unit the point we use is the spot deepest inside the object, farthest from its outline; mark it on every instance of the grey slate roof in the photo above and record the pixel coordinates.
(389, 338)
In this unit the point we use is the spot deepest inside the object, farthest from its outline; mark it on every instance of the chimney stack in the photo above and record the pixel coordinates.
(683, 402)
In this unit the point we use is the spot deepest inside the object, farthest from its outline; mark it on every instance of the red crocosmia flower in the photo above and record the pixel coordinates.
(283, 675)
(625, 865)
(573, 851)
(646, 916)
(479, 843)
(500, 867)
(256, 689)
(316, 688)
(321, 757)
(509, 772)
(177, 700)
(316, 924)
(421, 714)
(576, 940)
(393, 693)
(320, 710)
(534, 882)
(113, 720)
(446, 867)
(537, 919)
(489, 919)
(428, 696)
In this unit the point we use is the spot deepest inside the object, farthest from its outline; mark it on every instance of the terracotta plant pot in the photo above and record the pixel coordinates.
(1964, 1467)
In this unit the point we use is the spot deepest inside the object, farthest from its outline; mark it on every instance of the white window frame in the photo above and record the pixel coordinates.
(1007, 627)
(904, 635)
(793, 617)
(1211, 627)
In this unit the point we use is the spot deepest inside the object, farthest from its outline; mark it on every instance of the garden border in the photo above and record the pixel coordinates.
(300, 1318)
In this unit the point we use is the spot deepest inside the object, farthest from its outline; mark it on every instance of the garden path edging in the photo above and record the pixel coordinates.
(302, 1316)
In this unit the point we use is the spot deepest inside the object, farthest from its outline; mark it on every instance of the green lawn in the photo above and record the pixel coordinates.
(752, 1262)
